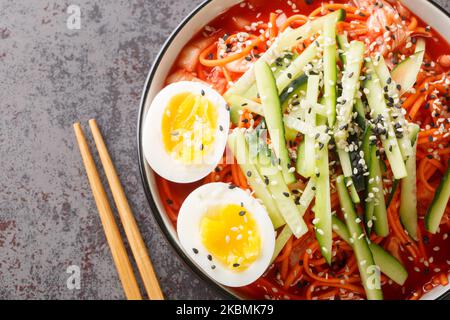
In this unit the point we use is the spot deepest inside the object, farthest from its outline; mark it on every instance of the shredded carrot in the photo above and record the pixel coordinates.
(413, 24)
(230, 58)
(299, 19)
(273, 25)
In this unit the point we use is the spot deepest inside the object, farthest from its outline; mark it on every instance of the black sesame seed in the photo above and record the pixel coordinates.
(213, 267)
(169, 202)
(209, 257)
(236, 265)
(242, 213)
(266, 180)
(203, 92)
(286, 194)
(289, 75)
(195, 250)
(231, 186)
(249, 174)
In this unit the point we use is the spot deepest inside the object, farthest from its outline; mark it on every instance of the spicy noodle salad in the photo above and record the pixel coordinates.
(302, 150)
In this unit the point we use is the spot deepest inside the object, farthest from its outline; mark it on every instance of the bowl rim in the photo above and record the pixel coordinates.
(141, 160)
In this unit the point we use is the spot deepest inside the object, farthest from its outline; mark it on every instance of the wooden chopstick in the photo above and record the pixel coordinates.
(112, 233)
(130, 226)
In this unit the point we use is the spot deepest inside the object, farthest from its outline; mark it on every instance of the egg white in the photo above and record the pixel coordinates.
(154, 151)
(194, 209)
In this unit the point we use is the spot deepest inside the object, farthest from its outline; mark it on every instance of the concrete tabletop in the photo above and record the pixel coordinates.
(52, 75)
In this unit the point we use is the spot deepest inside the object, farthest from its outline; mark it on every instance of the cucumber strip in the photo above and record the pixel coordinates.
(439, 203)
(239, 148)
(375, 205)
(343, 44)
(312, 95)
(238, 103)
(300, 111)
(294, 92)
(346, 164)
(281, 241)
(405, 73)
(341, 230)
(304, 202)
(350, 83)
(306, 128)
(322, 207)
(380, 222)
(273, 116)
(329, 69)
(408, 195)
(352, 189)
(300, 162)
(287, 40)
(392, 90)
(360, 109)
(368, 205)
(378, 107)
(391, 195)
(281, 195)
(388, 264)
(370, 277)
(307, 196)
(296, 68)
(292, 38)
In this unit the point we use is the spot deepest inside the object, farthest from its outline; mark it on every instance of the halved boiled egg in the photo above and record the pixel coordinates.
(185, 131)
(227, 232)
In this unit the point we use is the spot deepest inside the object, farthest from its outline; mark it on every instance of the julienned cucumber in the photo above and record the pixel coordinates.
(322, 207)
(388, 264)
(329, 69)
(281, 241)
(280, 193)
(392, 89)
(375, 204)
(293, 92)
(286, 233)
(296, 68)
(405, 73)
(379, 112)
(439, 204)
(408, 195)
(238, 145)
(312, 95)
(273, 116)
(289, 39)
(350, 83)
(238, 103)
(370, 276)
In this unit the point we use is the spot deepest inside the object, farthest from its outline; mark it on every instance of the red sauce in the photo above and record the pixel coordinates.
(437, 246)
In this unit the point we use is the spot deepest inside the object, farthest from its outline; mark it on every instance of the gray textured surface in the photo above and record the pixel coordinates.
(51, 77)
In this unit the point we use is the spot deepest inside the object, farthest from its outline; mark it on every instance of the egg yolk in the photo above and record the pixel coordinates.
(188, 127)
(231, 236)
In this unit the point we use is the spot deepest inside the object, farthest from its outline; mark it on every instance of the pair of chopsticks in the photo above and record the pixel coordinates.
(116, 244)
